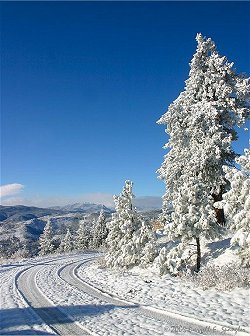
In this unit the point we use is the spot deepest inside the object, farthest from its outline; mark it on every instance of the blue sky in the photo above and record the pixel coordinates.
(83, 84)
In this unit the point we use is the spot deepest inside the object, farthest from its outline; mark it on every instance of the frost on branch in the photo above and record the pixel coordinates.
(200, 124)
(236, 203)
(130, 240)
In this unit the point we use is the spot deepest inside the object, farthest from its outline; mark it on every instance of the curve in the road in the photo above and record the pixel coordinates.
(52, 316)
(68, 273)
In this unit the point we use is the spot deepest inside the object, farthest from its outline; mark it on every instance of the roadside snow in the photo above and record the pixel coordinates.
(171, 294)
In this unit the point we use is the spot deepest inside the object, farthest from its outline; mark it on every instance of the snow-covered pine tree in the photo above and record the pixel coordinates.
(99, 230)
(82, 236)
(236, 203)
(129, 239)
(121, 225)
(67, 244)
(45, 240)
(200, 124)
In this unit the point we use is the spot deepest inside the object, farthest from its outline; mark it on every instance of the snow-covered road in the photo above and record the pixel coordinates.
(51, 315)
(49, 296)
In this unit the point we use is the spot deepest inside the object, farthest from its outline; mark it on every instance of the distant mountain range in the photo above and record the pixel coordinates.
(21, 226)
(83, 207)
(22, 213)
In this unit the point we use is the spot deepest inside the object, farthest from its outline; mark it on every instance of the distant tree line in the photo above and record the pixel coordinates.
(82, 239)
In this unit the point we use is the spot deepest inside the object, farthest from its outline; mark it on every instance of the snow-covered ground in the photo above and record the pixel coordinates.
(228, 309)
(74, 295)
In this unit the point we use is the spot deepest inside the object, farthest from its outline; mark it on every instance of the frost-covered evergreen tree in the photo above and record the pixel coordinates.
(200, 124)
(67, 244)
(236, 203)
(45, 240)
(82, 236)
(129, 239)
(99, 230)
(121, 228)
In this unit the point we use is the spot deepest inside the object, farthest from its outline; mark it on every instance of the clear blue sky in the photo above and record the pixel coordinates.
(83, 84)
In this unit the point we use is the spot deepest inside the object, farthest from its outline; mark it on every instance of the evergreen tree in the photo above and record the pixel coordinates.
(236, 203)
(127, 242)
(82, 236)
(45, 240)
(100, 230)
(200, 124)
(67, 243)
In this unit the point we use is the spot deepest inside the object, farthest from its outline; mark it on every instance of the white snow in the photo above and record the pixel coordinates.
(100, 314)
(172, 294)
(15, 313)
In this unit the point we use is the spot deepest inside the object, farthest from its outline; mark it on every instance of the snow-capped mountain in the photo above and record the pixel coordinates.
(83, 207)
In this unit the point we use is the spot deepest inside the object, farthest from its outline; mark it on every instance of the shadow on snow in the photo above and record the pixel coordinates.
(17, 317)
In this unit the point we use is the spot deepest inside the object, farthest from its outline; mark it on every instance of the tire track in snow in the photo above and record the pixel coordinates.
(176, 323)
(191, 323)
(15, 311)
(58, 321)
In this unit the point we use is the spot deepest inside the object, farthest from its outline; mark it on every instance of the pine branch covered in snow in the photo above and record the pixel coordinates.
(200, 124)
(236, 203)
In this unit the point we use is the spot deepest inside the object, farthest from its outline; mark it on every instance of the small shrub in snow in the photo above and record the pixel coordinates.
(101, 262)
(21, 254)
(221, 278)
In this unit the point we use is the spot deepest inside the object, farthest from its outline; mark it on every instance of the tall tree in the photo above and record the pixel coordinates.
(236, 203)
(45, 240)
(201, 127)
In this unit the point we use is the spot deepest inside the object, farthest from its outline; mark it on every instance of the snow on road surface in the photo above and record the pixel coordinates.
(51, 296)
(16, 317)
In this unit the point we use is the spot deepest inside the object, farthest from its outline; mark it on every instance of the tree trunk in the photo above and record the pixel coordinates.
(219, 212)
(198, 260)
